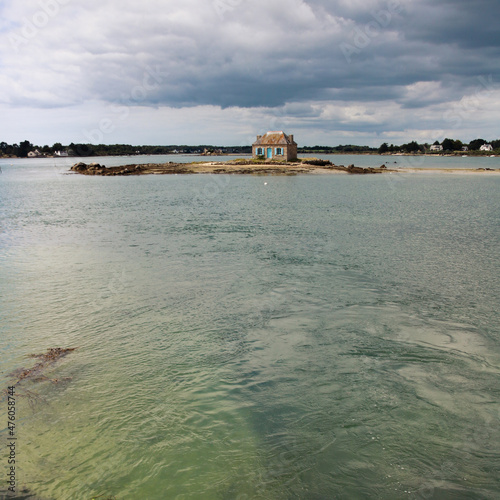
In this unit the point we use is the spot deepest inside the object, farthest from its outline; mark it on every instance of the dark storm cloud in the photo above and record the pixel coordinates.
(239, 62)
(469, 25)
(250, 54)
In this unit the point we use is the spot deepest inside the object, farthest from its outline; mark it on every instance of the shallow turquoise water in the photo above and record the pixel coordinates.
(314, 337)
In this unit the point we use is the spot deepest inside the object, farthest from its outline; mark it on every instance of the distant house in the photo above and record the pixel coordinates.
(465, 148)
(34, 154)
(486, 147)
(275, 146)
(436, 147)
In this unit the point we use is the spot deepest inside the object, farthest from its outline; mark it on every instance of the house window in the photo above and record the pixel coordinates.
(279, 151)
(260, 152)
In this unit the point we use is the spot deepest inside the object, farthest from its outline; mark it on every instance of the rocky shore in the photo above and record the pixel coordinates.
(248, 167)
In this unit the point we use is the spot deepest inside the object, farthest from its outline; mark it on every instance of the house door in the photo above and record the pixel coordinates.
(269, 152)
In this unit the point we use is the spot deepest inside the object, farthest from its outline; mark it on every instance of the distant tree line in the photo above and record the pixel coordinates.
(449, 146)
(348, 148)
(21, 150)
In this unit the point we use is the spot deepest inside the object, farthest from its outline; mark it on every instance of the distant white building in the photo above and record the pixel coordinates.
(436, 147)
(465, 148)
(61, 153)
(486, 147)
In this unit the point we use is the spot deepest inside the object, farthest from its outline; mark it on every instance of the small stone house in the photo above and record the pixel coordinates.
(275, 146)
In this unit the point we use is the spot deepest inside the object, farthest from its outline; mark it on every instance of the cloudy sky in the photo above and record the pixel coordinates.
(221, 71)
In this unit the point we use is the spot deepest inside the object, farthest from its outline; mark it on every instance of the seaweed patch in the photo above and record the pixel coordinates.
(38, 373)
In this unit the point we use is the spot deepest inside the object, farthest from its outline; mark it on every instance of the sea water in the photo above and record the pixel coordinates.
(250, 337)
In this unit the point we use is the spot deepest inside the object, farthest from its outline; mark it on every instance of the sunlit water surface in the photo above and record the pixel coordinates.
(248, 337)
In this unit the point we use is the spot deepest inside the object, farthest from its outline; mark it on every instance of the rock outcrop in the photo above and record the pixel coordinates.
(234, 167)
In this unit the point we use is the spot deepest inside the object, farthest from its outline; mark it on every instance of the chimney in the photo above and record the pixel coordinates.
(259, 137)
(291, 137)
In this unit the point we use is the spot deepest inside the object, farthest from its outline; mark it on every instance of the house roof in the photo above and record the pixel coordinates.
(276, 137)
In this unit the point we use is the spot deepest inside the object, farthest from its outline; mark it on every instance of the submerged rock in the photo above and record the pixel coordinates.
(318, 163)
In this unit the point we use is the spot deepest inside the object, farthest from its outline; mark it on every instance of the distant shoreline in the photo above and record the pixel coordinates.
(472, 154)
